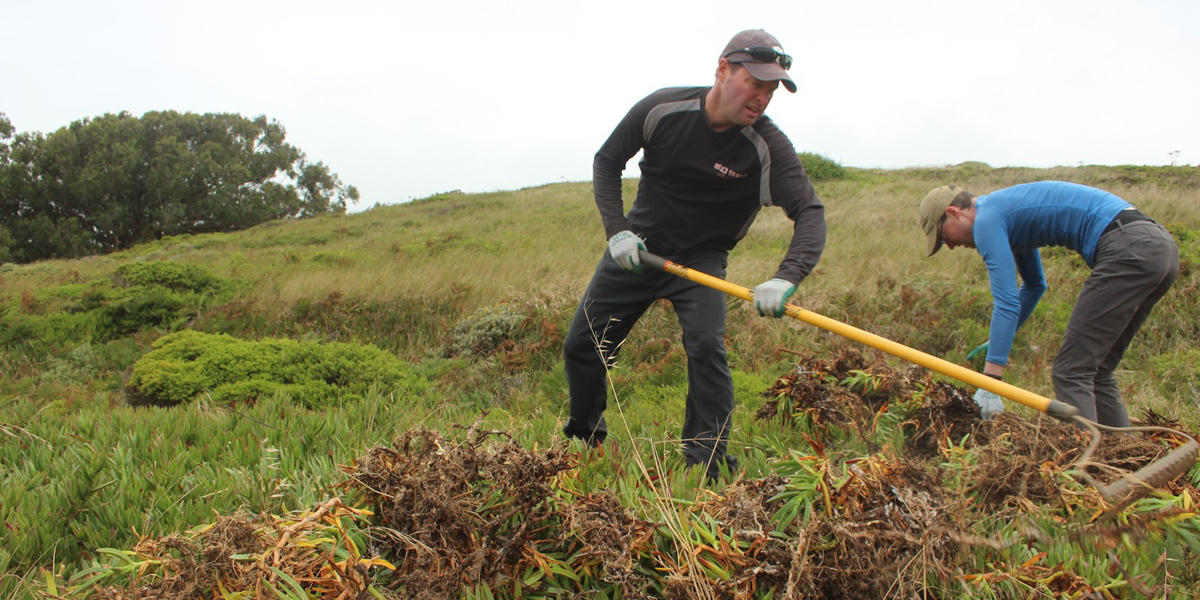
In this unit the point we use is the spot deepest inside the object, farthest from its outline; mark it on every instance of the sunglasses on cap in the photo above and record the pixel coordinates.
(765, 54)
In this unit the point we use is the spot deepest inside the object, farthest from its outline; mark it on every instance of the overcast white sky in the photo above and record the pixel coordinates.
(410, 98)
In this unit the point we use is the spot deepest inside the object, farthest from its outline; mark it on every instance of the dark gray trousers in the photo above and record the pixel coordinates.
(614, 301)
(1135, 265)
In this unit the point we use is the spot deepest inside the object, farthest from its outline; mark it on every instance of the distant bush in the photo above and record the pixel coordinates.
(161, 295)
(820, 167)
(168, 274)
(188, 363)
(484, 330)
(150, 306)
(968, 169)
(80, 366)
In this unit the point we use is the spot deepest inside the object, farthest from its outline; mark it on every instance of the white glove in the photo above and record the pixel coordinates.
(770, 297)
(989, 403)
(624, 246)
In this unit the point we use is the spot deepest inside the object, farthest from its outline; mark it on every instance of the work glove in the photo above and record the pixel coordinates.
(989, 403)
(624, 246)
(770, 297)
(978, 349)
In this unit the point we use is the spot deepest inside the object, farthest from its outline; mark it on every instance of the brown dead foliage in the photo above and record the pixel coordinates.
(891, 529)
(1018, 458)
(241, 554)
(611, 537)
(894, 529)
(817, 388)
(947, 414)
(747, 505)
(1023, 459)
(744, 548)
(469, 513)
(814, 389)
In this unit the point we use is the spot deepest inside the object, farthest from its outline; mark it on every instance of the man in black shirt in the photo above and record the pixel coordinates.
(711, 160)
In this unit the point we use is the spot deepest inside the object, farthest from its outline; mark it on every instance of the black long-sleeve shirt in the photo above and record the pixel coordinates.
(701, 189)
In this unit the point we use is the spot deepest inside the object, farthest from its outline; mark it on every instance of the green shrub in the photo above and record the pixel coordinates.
(17, 332)
(148, 307)
(167, 274)
(188, 363)
(820, 167)
(484, 330)
(160, 295)
(966, 170)
(80, 366)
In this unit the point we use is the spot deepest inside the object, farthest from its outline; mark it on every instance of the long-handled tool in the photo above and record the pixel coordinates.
(1119, 493)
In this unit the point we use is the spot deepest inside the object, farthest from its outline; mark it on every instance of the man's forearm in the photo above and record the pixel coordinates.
(606, 187)
(808, 242)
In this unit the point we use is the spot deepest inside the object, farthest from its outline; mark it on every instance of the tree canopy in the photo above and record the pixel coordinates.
(110, 182)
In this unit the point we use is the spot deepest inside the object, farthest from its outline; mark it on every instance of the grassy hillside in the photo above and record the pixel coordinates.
(472, 293)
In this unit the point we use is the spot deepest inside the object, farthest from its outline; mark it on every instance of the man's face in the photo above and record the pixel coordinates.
(957, 228)
(741, 99)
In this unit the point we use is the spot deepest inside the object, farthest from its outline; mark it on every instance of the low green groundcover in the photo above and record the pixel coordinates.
(186, 364)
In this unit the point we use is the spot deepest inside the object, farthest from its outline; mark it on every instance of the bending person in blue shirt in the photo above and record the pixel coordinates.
(1133, 259)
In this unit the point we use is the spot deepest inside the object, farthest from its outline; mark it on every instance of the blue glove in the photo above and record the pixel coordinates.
(624, 246)
(989, 403)
(980, 348)
(770, 297)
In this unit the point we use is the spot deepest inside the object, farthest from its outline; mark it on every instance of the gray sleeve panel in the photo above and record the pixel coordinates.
(764, 159)
(764, 185)
(793, 192)
(657, 113)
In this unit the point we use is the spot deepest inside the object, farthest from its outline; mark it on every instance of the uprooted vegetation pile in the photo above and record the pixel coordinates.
(901, 493)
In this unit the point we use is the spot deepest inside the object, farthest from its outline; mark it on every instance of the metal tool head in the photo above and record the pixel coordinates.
(1132, 486)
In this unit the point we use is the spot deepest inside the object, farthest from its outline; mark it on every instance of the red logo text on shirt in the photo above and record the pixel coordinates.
(727, 173)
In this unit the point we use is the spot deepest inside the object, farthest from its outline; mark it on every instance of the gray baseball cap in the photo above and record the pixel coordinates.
(762, 56)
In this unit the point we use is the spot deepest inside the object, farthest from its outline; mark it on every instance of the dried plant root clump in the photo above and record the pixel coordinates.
(849, 391)
(947, 414)
(815, 388)
(236, 557)
(893, 529)
(1018, 458)
(611, 538)
(460, 513)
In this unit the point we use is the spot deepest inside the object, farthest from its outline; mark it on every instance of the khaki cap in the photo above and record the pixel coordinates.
(932, 209)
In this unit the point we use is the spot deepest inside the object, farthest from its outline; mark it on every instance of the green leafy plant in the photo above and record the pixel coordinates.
(484, 330)
(188, 363)
(168, 274)
(820, 167)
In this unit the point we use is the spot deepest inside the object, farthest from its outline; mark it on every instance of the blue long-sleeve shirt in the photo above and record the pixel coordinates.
(1012, 223)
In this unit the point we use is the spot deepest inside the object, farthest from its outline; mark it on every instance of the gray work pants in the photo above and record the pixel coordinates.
(1135, 265)
(613, 302)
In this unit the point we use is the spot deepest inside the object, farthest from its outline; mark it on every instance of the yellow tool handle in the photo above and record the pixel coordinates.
(1054, 408)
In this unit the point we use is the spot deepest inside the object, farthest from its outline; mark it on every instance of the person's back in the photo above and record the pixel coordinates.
(1048, 213)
